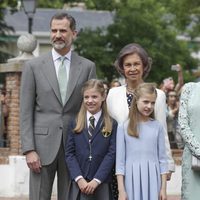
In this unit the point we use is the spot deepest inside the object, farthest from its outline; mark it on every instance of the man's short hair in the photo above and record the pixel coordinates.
(62, 15)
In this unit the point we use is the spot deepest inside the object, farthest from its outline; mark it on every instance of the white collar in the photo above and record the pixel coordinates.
(56, 55)
(96, 116)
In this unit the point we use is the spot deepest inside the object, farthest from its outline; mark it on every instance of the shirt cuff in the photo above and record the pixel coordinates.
(97, 180)
(78, 178)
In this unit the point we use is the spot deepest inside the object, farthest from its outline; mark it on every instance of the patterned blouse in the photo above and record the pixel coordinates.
(189, 115)
(129, 99)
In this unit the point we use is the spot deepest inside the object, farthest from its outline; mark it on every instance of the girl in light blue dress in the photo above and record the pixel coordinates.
(141, 161)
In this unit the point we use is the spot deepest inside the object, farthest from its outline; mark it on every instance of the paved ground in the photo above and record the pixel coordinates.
(25, 198)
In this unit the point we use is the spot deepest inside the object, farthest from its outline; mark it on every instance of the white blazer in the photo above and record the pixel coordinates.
(118, 109)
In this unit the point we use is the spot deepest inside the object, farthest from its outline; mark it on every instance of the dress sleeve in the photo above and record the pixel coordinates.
(120, 150)
(117, 104)
(162, 156)
(111, 104)
(160, 115)
(184, 121)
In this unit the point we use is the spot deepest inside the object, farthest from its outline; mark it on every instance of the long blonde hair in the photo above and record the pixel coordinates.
(143, 88)
(81, 117)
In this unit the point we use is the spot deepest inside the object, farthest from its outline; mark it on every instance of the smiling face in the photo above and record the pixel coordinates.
(61, 35)
(145, 105)
(92, 100)
(133, 67)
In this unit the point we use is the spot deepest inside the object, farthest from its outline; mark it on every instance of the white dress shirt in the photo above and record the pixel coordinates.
(56, 59)
(96, 117)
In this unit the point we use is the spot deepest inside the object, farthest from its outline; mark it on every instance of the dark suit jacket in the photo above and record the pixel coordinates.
(103, 153)
(43, 118)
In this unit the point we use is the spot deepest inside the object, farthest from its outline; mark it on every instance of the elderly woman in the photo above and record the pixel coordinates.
(134, 64)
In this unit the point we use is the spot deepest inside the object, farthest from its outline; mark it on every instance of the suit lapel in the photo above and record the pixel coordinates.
(85, 133)
(48, 69)
(74, 73)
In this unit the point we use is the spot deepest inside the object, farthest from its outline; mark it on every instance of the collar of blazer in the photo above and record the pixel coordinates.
(97, 130)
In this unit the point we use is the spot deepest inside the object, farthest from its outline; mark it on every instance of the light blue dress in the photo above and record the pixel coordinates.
(142, 160)
(189, 120)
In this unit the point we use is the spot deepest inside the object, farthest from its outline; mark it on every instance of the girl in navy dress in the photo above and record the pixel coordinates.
(91, 148)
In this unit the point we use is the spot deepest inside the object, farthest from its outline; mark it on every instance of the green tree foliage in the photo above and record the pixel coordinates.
(4, 29)
(146, 22)
(90, 4)
(94, 45)
(187, 16)
(102, 4)
(50, 3)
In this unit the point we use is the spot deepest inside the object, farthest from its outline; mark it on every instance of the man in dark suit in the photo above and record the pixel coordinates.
(49, 98)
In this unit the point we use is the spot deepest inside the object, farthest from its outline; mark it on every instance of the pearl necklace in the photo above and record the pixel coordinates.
(129, 90)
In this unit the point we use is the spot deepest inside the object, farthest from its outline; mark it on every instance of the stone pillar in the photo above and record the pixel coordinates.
(12, 71)
(12, 86)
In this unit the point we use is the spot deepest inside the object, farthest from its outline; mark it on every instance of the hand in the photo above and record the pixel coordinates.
(91, 186)
(169, 174)
(162, 195)
(179, 68)
(122, 196)
(33, 161)
(174, 111)
(82, 184)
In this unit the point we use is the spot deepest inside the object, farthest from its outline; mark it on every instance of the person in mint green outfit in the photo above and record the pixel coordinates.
(189, 115)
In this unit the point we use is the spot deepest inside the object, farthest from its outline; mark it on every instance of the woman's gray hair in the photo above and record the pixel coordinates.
(129, 49)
